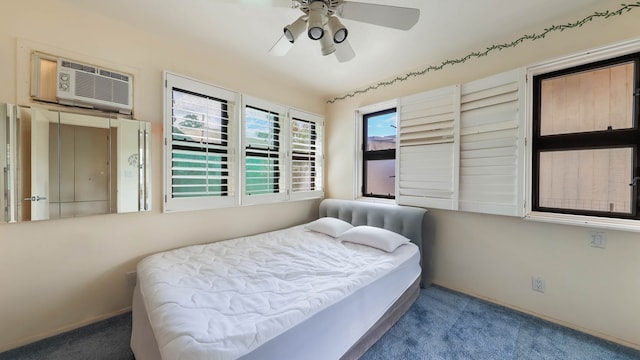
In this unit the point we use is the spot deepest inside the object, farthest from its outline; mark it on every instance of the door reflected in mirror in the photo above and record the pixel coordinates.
(62, 164)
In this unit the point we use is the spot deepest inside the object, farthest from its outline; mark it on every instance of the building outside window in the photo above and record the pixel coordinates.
(586, 136)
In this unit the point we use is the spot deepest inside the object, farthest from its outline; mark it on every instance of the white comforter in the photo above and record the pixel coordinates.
(222, 300)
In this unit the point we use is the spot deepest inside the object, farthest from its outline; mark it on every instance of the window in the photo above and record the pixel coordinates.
(555, 142)
(306, 134)
(200, 170)
(586, 135)
(219, 154)
(379, 154)
(262, 151)
(199, 145)
(304, 137)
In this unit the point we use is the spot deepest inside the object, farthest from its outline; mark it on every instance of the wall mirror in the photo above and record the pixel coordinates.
(59, 164)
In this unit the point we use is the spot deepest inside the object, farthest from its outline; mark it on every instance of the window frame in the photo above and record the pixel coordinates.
(588, 140)
(280, 190)
(236, 149)
(584, 58)
(366, 155)
(317, 190)
(199, 88)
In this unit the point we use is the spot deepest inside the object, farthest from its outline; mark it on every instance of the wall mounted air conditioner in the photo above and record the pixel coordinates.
(90, 86)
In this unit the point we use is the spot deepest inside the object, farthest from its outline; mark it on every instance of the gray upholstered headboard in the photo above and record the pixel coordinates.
(414, 223)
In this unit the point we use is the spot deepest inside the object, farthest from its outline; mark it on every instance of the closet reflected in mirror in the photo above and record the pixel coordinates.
(59, 164)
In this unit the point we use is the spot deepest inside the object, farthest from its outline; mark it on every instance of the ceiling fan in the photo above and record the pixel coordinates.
(320, 20)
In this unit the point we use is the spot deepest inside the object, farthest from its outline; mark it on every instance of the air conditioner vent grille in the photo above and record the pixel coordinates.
(104, 89)
(120, 92)
(76, 66)
(81, 84)
(114, 75)
(85, 84)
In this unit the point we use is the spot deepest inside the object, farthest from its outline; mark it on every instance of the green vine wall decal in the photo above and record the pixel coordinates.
(625, 8)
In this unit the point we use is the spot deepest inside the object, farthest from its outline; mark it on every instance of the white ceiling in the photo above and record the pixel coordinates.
(246, 29)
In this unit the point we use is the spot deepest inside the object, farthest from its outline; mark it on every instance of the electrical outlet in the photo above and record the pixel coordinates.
(538, 284)
(598, 239)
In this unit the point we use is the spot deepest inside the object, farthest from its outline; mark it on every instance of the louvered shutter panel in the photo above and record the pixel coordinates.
(428, 154)
(263, 151)
(492, 145)
(199, 146)
(200, 171)
(306, 155)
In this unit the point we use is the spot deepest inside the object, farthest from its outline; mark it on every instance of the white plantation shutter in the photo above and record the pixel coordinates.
(263, 157)
(492, 144)
(220, 151)
(428, 155)
(306, 154)
(200, 161)
(462, 147)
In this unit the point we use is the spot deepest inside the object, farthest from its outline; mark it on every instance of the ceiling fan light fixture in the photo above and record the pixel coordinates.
(322, 21)
(326, 45)
(337, 29)
(315, 33)
(317, 16)
(293, 30)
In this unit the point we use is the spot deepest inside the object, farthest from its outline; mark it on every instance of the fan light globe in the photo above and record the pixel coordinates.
(293, 30)
(289, 35)
(340, 36)
(317, 12)
(315, 33)
(339, 31)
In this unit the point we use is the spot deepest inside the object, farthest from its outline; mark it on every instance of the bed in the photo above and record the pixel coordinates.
(324, 290)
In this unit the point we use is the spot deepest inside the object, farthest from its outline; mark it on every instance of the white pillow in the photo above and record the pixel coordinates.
(329, 226)
(375, 237)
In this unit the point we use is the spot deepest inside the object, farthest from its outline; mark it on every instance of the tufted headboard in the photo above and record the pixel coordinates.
(412, 222)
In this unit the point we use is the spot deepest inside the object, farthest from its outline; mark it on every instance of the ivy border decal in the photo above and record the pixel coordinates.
(625, 8)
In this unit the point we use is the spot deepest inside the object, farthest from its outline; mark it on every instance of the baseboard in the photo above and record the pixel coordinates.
(545, 317)
(62, 330)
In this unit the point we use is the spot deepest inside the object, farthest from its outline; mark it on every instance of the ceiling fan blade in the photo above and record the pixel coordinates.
(344, 51)
(273, 3)
(281, 47)
(395, 17)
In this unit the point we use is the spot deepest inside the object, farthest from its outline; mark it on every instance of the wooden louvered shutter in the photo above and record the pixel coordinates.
(428, 153)
(492, 145)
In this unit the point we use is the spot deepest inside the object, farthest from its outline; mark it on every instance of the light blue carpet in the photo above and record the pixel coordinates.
(441, 325)
(105, 340)
(444, 325)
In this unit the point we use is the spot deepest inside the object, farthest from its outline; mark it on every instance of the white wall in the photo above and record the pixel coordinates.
(494, 257)
(57, 275)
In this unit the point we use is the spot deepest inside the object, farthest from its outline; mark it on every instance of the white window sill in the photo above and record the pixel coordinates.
(377, 200)
(587, 221)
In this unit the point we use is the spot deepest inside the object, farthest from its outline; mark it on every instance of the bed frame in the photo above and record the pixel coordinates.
(413, 223)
